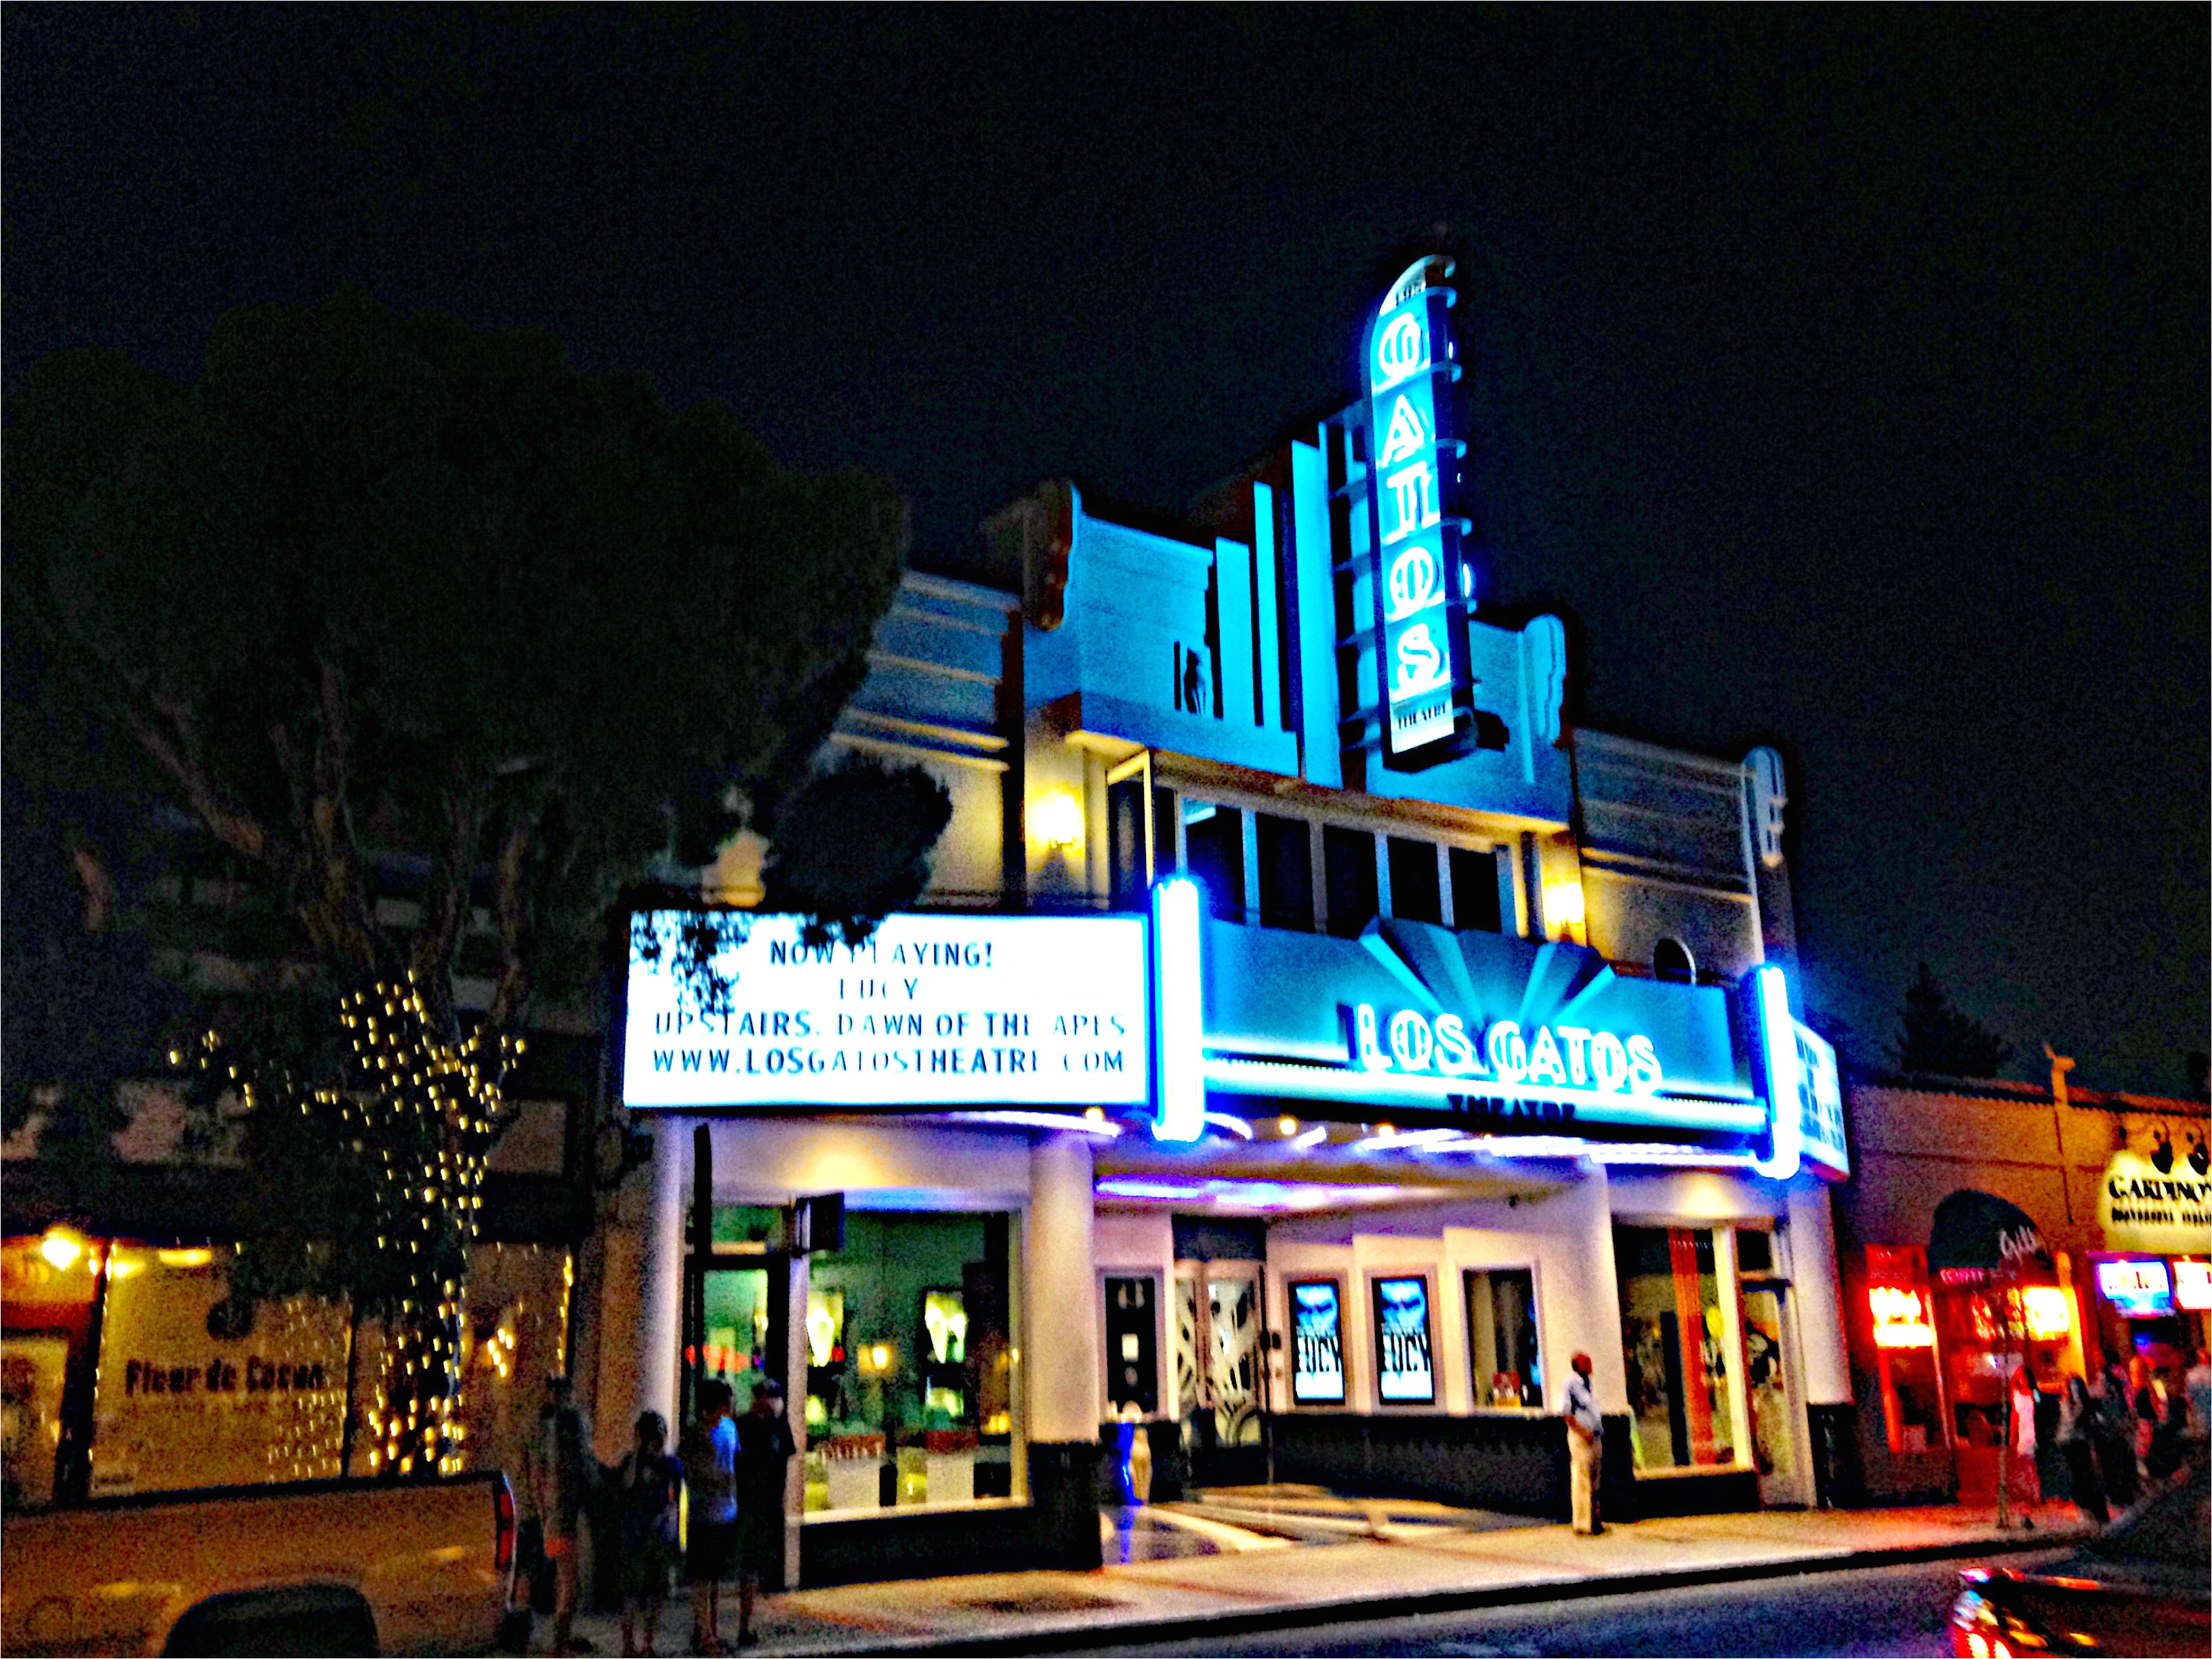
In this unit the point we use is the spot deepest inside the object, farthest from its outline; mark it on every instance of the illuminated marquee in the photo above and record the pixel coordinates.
(1421, 586)
(930, 1010)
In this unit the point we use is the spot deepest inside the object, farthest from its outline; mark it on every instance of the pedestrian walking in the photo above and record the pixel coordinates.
(1585, 1449)
(2077, 1423)
(650, 1483)
(710, 1470)
(765, 1449)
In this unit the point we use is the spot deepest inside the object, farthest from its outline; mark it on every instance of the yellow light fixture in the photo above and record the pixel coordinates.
(1094, 1114)
(1563, 903)
(1059, 817)
(193, 1256)
(61, 1249)
(881, 1355)
(1288, 1125)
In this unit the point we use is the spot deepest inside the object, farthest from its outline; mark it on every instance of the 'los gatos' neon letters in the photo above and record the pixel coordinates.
(1542, 1056)
(1421, 586)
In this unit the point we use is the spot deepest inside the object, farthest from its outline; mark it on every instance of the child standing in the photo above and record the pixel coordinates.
(650, 1484)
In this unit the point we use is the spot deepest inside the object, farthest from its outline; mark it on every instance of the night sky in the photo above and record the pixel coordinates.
(1841, 375)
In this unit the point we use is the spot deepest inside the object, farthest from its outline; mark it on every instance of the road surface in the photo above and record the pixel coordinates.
(1878, 1611)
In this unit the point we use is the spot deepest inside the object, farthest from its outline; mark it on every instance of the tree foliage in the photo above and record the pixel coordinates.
(1935, 1039)
(447, 646)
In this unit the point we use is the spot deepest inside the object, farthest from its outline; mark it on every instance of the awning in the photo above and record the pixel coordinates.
(1980, 1232)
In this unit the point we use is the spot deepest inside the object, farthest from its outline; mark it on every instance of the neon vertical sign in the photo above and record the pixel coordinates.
(1421, 586)
(1785, 1079)
(1178, 1069)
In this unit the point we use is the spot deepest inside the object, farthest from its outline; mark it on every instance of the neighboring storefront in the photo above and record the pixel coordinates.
(2112, 1190)
(127, 1367)
(1310, 1040)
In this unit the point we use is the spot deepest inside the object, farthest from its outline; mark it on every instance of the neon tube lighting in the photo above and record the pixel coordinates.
(1235, 1126)
(1178, 993)
(1778, 1041)
(1105, 1130)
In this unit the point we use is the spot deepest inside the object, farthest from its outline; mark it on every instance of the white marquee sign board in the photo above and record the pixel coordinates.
(948, 1010)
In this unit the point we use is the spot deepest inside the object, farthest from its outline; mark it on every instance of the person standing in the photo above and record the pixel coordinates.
(2027, 1485)
(710, 1469)
(2116, 1439)
(2198, 1384)
(650, 1482)
(2077, 1424)
(1585, 1449)
(765, 1449)
(561, 1470)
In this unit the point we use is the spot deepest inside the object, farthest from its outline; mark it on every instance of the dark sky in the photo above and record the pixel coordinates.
(1842, 374)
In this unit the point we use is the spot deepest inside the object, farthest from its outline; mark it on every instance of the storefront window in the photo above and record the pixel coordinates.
(1501, 1322)
(1903, 1322)
(912, 1358)
(1681, 1408)
(197, 1389)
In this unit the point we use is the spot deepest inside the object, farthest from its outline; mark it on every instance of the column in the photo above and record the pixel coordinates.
(1060, 1353)
(1820, 1298)
(660, 1297)
(1060, 1349)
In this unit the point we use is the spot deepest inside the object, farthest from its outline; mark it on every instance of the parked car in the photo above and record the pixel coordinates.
(336, 1567)
(2143, 1587)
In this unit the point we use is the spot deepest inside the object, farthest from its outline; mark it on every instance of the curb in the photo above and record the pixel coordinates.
(1302, 1614)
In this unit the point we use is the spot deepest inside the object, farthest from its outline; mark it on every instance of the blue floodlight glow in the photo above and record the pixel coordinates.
(1179, 1014)
(1785, 1081)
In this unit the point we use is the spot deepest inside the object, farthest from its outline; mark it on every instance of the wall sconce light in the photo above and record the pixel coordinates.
(1563, 907)
(1059, 817)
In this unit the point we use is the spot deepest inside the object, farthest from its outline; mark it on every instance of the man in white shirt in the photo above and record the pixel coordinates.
(1585, 1444)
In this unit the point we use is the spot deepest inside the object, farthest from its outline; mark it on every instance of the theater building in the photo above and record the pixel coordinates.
(1311, 1039)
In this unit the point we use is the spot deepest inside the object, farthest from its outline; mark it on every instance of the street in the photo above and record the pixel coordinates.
(1879, 1610)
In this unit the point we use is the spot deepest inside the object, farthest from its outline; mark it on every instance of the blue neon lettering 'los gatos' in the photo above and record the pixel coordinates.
(1421, 586)
(1505, 1056)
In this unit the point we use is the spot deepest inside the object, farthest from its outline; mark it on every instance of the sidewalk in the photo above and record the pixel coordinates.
(1430, 1571)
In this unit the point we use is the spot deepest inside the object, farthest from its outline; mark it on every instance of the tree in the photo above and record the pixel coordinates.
(1937, 1040)
(398, 609)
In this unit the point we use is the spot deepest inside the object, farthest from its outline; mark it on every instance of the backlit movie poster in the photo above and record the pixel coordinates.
(1405, 1369)
(1317, 1361)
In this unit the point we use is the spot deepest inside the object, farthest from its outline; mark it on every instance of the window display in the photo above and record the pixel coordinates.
(911, 1381)
(1317, 1352)
(1680, 1398)
(1405, 1364)
(1903, 1320)
(1501, 1334)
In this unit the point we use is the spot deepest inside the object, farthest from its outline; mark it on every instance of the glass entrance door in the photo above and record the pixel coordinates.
(1777, 1406)
(1219, 1365)
(735, 1327)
